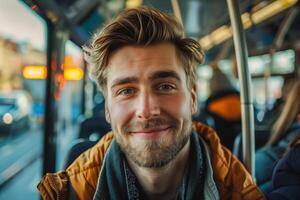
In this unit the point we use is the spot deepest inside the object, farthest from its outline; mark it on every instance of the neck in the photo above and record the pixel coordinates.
(163, 183)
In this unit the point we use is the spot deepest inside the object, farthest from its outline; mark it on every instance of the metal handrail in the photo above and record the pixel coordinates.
(245, 85)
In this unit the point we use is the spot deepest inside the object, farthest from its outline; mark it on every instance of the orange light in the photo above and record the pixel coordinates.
(34, 7)
(35, 72)
(68, 62)
(73, 74)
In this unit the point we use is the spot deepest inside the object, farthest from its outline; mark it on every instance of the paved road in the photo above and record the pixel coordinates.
(20, 148)
(23, 186)
(21, 162)
(20, 165)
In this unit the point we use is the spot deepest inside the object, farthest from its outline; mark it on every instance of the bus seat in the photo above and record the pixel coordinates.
(93, 125)
(267, 157)
(204, 118)
(271, 115)
(77, 147)
(225, 109)
(265, 162)
(261, 137)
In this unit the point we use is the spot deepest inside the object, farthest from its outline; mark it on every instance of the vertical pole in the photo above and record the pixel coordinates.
(245, 85)
(56, 39)
(83, 93)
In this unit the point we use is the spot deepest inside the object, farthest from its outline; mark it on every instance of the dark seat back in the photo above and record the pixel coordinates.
(77, 148)
(93, 125)
(261, 137)
(267, 157)
(225, 109)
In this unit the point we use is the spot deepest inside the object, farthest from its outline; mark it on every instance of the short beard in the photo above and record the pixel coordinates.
(158, 154)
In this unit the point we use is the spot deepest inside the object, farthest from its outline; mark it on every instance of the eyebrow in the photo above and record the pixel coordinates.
(126, 80)
(154, 76)
(165, 74)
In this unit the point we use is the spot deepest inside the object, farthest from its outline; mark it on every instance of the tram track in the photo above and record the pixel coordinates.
(18, 155)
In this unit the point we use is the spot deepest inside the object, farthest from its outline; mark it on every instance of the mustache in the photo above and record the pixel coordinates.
(154, 123)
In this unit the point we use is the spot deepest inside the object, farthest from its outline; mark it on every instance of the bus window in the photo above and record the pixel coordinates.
(69, 106)
(283, 63)
(22, 92)
(204, 75)
(275, 82)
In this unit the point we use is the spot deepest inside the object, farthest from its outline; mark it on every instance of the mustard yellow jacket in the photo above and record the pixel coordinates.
(232, 179)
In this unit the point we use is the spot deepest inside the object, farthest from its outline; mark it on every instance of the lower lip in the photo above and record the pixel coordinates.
(151, 135)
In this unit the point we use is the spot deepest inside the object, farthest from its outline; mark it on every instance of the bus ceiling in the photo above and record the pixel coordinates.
(206, 21)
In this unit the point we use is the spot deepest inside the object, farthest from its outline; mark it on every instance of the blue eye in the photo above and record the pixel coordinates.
(166, 87)
(126, 92)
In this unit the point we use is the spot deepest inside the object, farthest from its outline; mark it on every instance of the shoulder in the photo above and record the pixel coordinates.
(294, 158)
(83, 172)
(221, 157)
(287, 170)
(91, 158)
(81, 175)
(232, 179)
(289, 165)
(286, 178)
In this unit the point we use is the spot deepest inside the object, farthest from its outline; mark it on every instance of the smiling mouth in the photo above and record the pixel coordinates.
(150, 133)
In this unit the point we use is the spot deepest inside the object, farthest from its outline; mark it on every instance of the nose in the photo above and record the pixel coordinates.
(147, 106)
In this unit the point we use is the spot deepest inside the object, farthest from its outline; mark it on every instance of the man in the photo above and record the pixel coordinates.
(146, 70)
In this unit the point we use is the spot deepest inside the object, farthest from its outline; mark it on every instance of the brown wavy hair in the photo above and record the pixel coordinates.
(288, 115)
(142, 26)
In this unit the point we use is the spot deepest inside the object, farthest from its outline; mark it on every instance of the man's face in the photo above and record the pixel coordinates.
(149, 104)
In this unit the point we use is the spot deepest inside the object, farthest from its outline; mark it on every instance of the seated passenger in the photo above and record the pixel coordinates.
(219, 81)
(286, 175)
(283, 131)
(224, 106)
(288, 116)
(272, 114)
(146, 69)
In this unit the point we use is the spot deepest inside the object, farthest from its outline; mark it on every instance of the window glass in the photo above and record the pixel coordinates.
(283, 63)
(257, 64)
(22, 92)
(274, 91)
(204, 73)
(70, 100)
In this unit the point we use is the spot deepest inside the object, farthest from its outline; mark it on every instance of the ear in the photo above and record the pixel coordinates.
(107, 115)
(194, 99)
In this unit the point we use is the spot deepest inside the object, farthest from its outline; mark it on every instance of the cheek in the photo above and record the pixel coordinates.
(178, 106)
(120, 113)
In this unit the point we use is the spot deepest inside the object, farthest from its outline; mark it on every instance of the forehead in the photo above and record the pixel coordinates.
(135, 52)
(140, 61)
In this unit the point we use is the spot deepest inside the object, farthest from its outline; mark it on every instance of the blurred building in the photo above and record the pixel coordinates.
(13, 57)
